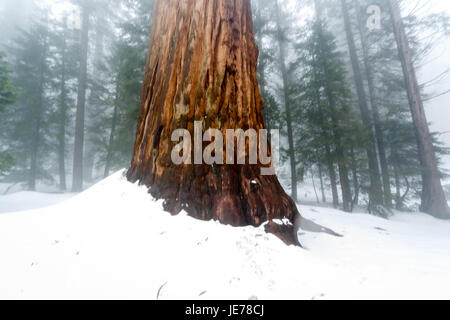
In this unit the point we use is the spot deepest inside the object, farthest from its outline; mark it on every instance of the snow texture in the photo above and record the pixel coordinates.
(114, 242)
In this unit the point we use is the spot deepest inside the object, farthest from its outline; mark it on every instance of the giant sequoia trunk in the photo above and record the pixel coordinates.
(202, 67)
(433, 196)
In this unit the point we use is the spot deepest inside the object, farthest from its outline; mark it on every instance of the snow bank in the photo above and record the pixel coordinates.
(113, 241)
(25, 200)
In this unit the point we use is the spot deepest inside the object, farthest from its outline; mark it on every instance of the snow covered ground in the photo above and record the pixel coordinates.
(114, 241)
(24, 200)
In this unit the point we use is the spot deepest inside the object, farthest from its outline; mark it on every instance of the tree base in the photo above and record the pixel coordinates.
(233, 195)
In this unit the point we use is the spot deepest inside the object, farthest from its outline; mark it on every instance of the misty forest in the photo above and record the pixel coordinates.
(89, 88)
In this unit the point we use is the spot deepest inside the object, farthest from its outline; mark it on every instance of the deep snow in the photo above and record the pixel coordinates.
(114, 241)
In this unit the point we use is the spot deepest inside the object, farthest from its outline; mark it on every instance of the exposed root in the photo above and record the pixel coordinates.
(308, 225)
(286, 233)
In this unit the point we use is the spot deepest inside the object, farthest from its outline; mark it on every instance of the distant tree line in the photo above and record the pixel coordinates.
(70, 101)
(342, 93)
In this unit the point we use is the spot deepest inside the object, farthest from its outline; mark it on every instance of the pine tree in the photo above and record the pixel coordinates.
(126, 67)
(64, 47)
(264, 34)
(100, 88)
(7, 93)
(328, 122)
(433, 196)
(27, 123)
(375, 191)
(374, 106)
(7, 98)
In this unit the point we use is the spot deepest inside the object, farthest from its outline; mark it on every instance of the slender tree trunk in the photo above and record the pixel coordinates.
(322, 188)
(375, 112)
(36, 139)
(375, 192)
(342, 168)
(77, 183)
(328, 155)
(202, 67)
(333, 178)
(94, 101)
(345, 183)
(301, 174)
(336, 132)
(398, 187)
(339, 151)
(433, 196)
(287, 104)
(314, 186)
(63, 117)
(356, 186)
(89, 162)
(113, 131)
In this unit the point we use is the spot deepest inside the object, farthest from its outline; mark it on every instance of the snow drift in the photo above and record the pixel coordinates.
(114, 242)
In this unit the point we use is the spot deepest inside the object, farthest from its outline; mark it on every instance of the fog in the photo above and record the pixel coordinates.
(116, 53)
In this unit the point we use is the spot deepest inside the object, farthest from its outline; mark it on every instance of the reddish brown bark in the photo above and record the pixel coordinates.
(202, 67)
